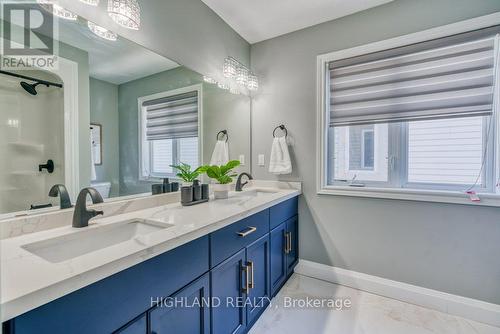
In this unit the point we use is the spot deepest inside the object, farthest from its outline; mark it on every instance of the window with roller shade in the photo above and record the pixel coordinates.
(169, 124)
(419, 117)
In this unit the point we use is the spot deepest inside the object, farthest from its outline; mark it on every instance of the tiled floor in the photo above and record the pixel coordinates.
(368, 314)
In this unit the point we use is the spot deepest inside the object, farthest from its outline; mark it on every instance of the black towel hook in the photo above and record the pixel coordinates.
(224, 133)
(282, 128)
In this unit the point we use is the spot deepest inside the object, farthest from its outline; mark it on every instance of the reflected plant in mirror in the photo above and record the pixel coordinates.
(185, 173)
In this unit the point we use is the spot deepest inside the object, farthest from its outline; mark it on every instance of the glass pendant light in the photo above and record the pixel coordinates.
(208, 79)
(223, 86)
(102, 32)
(91, 2)
(57, 10)
(242, 76)
(126, 13)
(230, 67)
(253, 82)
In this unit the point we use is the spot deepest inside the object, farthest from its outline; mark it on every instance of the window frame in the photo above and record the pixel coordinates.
(144, 156)
(397, 191)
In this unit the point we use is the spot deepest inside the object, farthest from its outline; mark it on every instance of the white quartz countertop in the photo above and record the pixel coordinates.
(28, 281)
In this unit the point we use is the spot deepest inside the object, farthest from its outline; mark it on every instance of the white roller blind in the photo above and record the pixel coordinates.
(435, 79)
(172, 117)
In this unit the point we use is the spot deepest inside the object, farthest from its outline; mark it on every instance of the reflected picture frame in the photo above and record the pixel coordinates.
(96, 140)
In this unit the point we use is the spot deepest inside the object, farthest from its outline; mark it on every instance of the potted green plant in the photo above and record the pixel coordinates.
(186, 174)
(223, 175)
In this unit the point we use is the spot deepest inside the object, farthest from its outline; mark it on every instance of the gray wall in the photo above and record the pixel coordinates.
(104, 111)
(450, 248)
(221, 110)
(186, 31)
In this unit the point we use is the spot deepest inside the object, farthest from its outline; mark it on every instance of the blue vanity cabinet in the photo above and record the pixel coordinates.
(278, 267)
(228, 282)
(284, 253)
(109, 304)
(186, 312)
(223, 282)
(137, 326)
(292, 252)
(259, 289)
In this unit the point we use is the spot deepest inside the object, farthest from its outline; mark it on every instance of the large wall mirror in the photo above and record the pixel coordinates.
(118, 117)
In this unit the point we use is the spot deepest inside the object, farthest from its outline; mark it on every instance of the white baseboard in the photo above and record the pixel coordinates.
(469, 308)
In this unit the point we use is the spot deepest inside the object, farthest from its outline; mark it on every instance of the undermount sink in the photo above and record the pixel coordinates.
(92, 239)
(256, 192)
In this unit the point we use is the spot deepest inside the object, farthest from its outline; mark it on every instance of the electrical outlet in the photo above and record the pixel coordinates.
(261, 160)
(242, 159)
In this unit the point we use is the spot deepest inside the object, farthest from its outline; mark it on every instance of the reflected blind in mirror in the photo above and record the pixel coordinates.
(172, 117)
(450, 77)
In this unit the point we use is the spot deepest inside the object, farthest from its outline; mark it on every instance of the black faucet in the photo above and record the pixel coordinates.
(239, 185)
(81, 216)
(64, 199)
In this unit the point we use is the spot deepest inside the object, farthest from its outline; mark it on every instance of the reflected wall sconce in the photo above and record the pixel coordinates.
(102, 32)
(56, 10)
(126, 13)
(91, 2)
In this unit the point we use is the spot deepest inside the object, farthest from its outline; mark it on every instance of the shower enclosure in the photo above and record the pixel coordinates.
(31, 139)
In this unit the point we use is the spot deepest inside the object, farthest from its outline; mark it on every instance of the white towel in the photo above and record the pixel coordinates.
(93, 175)
(280, 162)
(220, 156)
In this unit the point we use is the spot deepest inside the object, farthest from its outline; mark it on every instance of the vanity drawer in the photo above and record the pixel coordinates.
(228, 240)
(283, 211)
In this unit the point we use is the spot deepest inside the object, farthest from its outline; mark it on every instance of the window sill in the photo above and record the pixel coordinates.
(452, 197)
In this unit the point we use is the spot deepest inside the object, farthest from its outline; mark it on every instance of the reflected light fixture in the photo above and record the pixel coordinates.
(102, 32)
(242, 76)
(223, 86)
(208, 79)
(253, 82)
(230, 67)
(126, 13)
(57, 10)
(91, 2)
(234, 90)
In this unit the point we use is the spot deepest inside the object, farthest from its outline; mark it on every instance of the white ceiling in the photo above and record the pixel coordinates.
(258, 20)
(117, 61)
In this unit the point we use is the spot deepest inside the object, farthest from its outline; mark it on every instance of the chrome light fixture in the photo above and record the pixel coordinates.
(102, 32)
(230, 68)
(91, 2)
(208, 79)
(222, 85)
(57, 10)
(126, 13)
(253, 82)
(242, 76)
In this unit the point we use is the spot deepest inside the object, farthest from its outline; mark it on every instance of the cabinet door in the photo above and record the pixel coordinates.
(259, 293)
(137, 326)
(228, 280)
(186, 312)
(292, 254)
(278, 258)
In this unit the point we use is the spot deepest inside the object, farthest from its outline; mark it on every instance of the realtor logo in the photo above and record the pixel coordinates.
(28, 33)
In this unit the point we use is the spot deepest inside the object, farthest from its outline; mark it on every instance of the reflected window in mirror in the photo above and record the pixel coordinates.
(170, 124)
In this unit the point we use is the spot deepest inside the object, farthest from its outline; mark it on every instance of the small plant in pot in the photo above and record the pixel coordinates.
(186, 174)
(223, 175)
